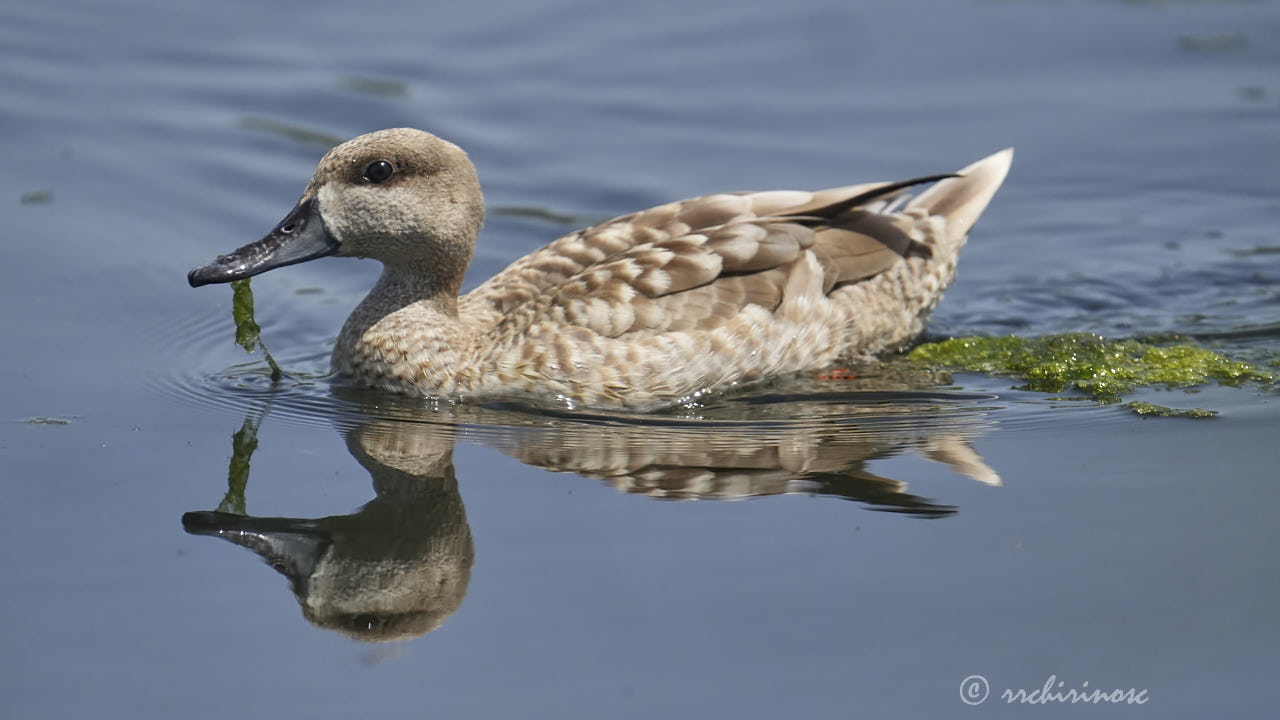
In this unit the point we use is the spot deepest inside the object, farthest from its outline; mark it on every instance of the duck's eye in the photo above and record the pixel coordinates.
(378, 171)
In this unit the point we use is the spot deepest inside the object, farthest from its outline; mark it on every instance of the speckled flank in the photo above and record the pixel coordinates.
(642, 310)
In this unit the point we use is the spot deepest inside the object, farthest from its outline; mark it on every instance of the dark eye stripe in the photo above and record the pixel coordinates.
(378, 171)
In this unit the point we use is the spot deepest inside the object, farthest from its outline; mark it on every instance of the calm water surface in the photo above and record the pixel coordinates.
(903, 533)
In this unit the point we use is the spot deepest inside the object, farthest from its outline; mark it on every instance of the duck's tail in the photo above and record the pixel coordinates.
(961, 199)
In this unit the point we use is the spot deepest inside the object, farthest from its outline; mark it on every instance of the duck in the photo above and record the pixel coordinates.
(641, 312)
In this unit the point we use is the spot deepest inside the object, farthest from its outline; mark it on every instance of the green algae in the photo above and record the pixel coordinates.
(546, 215)
(36, 197)
(1146, 409)
(243, 442)
(248, 332)
(372, 86)
(288, 131)
(1101, 369)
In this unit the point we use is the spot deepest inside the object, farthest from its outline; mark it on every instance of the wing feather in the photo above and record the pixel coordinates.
(695, 264)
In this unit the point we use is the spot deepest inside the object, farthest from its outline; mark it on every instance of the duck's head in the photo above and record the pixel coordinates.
(401, 196)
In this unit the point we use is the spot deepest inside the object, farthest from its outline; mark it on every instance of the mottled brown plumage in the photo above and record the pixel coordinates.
(641, 310)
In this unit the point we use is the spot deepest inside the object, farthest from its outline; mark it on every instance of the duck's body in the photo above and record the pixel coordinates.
(637, 312)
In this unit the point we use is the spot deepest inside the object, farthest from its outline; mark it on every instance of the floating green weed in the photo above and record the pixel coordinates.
(47, 421)
(372, 86)
(545, 215)
(1100, 368)
(297, 133)
(36, 197)
(243, 443)
(248, 333)
(1146, 409)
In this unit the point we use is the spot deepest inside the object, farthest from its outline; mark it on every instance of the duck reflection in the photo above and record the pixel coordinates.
(709, 460)
(394, 569)
(399, 566)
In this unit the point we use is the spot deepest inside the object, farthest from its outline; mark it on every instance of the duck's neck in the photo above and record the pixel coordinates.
(399, 287)
(419, 309)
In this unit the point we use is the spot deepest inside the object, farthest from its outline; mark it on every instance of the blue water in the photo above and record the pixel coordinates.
(537, 568)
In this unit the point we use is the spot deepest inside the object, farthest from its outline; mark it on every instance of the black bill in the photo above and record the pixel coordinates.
(301, 236)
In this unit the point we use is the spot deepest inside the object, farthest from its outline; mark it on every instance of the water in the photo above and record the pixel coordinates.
(504, 562)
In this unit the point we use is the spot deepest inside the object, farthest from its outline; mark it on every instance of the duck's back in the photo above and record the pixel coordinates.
(653, 306)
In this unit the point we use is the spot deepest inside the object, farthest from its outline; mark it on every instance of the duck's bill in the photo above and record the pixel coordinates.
(291, 546)
(300, 237)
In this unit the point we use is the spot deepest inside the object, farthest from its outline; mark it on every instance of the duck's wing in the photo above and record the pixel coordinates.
(696, 263)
